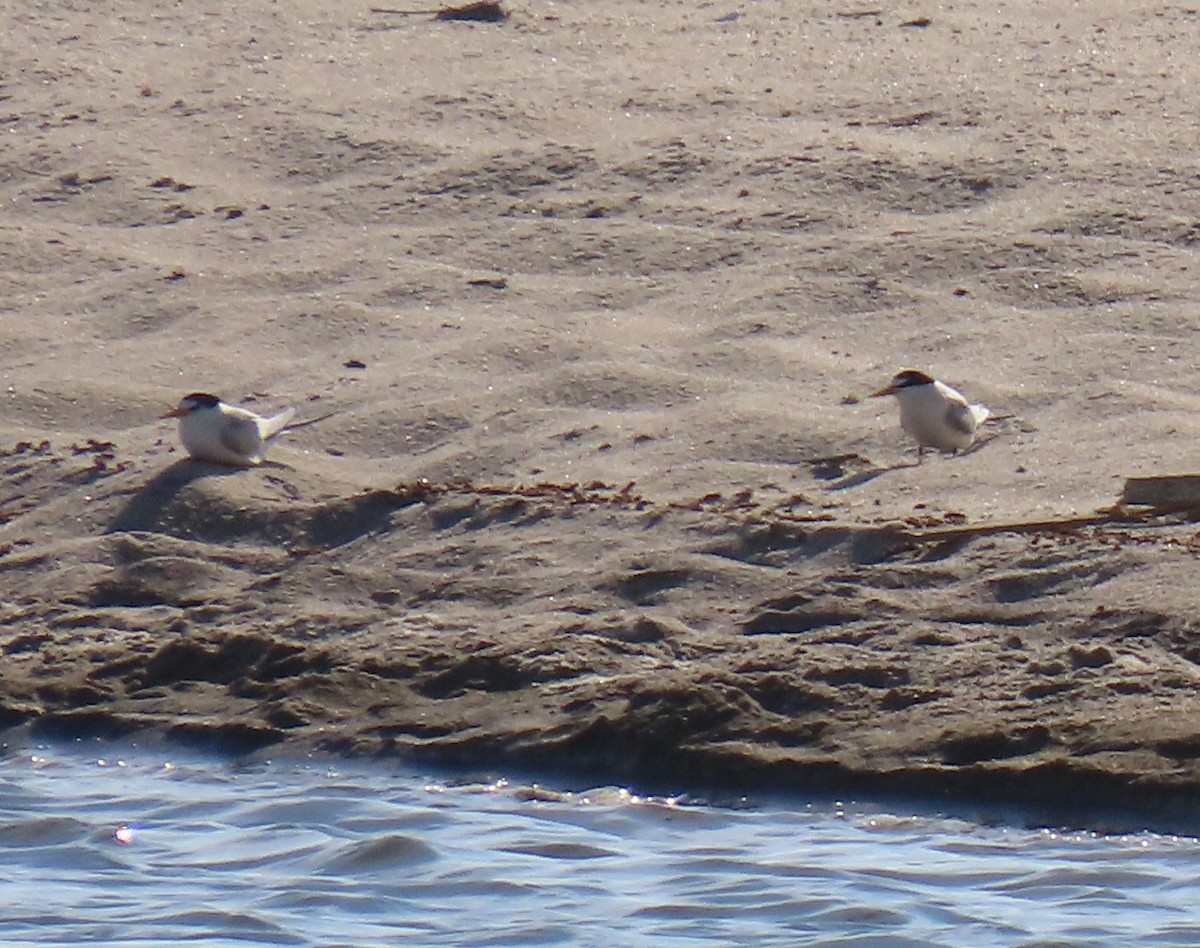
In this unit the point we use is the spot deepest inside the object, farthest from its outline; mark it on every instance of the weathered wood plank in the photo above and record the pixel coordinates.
(1172, 490)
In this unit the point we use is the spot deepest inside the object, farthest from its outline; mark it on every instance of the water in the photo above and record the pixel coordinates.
(136, 849)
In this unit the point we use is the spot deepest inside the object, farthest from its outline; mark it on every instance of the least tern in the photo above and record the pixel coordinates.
(933, 413)
(213, 431)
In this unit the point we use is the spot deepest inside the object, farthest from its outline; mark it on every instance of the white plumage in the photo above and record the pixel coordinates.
(223, 434)
(932, 413)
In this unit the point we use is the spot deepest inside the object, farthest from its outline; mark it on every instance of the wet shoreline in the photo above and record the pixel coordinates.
(581, 630)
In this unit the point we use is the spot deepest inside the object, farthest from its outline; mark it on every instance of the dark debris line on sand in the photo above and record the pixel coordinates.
(485, 11)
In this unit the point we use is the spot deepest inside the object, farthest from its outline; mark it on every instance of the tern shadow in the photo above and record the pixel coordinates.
(844, 471)
(862, 477)
(145, 509)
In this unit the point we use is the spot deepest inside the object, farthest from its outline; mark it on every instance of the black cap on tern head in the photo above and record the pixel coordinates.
(189, 403)
(910, 377)
(201, 400)
(905, 378)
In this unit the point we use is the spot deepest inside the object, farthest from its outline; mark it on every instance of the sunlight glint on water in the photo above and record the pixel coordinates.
(141, 851)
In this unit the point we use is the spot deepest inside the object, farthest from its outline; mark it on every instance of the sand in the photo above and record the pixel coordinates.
(597, 294)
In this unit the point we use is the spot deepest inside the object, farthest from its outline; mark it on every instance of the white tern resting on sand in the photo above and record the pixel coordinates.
(220, 433)
(933, 413)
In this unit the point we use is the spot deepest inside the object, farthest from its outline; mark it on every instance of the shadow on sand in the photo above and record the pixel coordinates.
(839, 471)
(145, 509)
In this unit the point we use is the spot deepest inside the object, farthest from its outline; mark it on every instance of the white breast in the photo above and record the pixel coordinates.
(936, 416)
(223, 435)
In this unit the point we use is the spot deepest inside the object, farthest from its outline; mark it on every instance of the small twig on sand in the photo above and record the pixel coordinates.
(305, 422)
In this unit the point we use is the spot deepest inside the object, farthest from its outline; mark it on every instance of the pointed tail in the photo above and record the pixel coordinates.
(276, 423)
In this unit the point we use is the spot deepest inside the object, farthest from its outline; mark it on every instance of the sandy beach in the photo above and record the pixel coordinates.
(597, 295)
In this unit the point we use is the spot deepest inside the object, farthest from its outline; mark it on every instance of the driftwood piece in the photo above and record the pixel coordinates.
(1178, 491)
(485, 11)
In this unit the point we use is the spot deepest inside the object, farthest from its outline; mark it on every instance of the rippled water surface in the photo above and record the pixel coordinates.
(136, 849)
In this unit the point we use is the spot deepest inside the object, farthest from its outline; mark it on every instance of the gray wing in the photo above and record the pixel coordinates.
(240, 435)
(960, 417)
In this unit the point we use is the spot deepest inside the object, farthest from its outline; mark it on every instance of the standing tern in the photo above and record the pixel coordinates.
(933, 413)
